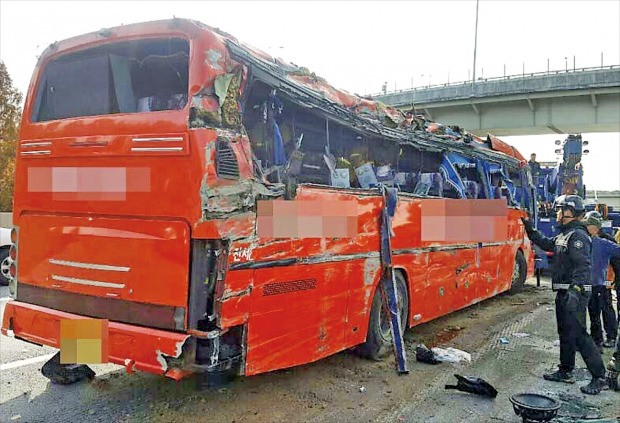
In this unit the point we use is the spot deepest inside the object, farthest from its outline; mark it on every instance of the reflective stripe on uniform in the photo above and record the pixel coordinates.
(565, 286)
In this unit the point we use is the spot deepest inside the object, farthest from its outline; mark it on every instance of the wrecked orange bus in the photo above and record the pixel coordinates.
(145, 157)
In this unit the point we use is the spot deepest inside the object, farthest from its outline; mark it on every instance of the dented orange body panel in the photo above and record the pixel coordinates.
(130, 251)
(334, 280)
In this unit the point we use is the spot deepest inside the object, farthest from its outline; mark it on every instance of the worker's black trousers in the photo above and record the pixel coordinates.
(601, 303)
(574, 337)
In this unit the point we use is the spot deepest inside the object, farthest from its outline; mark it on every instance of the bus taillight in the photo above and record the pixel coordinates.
(13, 252)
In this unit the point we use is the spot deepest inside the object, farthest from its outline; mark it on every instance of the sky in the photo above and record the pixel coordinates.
(360, 45)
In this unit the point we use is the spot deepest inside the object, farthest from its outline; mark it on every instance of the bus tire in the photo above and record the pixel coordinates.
(519, 272)
(379, 338)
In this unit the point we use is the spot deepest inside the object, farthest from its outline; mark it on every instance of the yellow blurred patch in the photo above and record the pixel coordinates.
(83, 341)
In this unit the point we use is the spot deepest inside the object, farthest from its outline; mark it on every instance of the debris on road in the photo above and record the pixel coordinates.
(424, 355)
(473, 385)
(576, 407)
(504, 341)
(534, 407)
(446, 334)
(520, 335)
(362, 389)
(451, 355)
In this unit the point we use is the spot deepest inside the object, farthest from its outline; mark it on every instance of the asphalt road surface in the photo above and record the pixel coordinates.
(343, 387)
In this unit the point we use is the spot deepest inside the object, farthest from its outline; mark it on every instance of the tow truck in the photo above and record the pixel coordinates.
(564, 178)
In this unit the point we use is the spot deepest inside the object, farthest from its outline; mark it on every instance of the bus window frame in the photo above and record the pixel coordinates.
(40, 77)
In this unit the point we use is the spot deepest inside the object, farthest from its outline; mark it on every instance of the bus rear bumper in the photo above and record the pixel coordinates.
(134, 347)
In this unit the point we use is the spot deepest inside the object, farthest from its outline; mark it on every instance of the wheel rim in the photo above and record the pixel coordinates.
(4, 267)
(384, 320)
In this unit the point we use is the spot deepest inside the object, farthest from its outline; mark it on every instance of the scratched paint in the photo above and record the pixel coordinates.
(213, 59)
(371, 269)
(187, 200)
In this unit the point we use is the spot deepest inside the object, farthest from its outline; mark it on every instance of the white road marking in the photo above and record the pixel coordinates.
(25, 362)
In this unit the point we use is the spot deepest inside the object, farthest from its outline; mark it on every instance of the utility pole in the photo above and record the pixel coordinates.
(473, 81)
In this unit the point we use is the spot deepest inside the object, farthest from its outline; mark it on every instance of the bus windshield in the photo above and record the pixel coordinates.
(128, 77)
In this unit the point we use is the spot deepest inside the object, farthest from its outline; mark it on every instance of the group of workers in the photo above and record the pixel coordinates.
(582, 254)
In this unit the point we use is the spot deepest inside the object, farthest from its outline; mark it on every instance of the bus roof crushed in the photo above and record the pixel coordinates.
(362, 114)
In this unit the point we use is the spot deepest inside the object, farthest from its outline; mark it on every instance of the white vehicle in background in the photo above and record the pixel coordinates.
(5, 243)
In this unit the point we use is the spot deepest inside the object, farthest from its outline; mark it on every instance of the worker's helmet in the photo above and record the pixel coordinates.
(595, 214)
(572, 202)
(593, 220)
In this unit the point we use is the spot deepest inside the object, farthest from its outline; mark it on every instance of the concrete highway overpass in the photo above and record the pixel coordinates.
(575, 101)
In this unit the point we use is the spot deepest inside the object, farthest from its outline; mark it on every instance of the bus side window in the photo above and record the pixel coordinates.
(418, 171)
(515, 177)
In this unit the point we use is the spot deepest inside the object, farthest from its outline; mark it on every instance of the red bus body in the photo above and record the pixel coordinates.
(174, 243)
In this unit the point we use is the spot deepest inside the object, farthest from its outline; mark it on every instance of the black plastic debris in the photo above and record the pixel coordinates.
(66, 374)
(534, 407)
(473, 385)
(424, 355)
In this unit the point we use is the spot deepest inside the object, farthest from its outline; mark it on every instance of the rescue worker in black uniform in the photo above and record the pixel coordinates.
(571, 281)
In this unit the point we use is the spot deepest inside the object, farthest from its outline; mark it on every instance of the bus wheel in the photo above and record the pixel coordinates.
(5, 264)
(519, 272)
(379, 337)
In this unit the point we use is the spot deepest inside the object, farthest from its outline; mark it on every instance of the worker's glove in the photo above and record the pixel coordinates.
(573, 297)
(529, 226)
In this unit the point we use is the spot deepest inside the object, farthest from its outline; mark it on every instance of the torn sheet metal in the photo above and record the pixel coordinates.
(302, 86)
(220, 201)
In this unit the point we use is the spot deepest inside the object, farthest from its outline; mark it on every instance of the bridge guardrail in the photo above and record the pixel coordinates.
(482, 80)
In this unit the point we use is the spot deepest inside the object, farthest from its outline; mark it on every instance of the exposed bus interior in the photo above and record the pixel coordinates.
(317, 150)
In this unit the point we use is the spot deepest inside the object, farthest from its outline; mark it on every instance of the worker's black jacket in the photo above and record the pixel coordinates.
(571, 259)
(615, 261)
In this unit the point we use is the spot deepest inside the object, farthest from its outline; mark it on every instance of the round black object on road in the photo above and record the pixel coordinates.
(534, 407)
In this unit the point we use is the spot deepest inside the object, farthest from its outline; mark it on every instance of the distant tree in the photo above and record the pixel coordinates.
(10, 117)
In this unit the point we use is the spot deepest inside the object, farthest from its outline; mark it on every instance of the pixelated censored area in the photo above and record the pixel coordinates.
(464, 220)
(278, 288)
(307, 219)
(83, 341)
(89, 183)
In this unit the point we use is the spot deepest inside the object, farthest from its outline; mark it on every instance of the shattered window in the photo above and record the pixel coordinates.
(128, 77)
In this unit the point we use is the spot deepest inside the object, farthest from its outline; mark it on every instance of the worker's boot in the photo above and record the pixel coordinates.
(595, 386)
(610, 343)
(560, 375)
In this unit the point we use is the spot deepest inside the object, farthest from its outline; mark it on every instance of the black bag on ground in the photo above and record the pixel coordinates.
(473, 385)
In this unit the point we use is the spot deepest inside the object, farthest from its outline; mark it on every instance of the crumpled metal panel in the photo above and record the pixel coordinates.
(304, 299)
